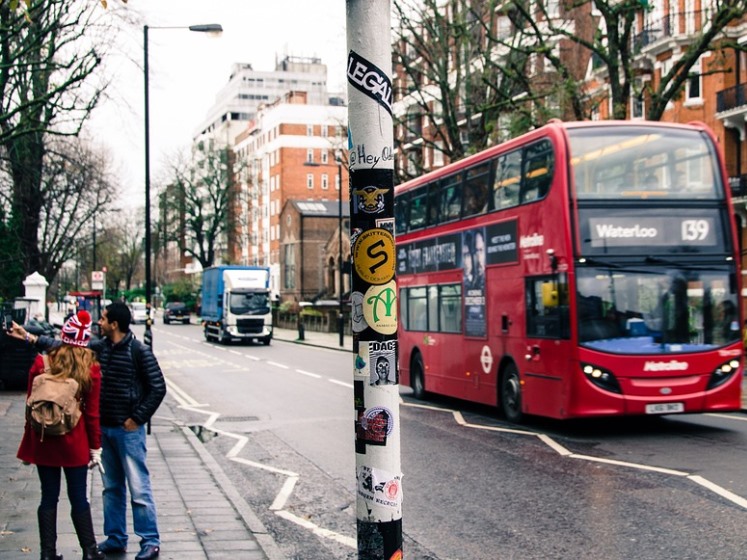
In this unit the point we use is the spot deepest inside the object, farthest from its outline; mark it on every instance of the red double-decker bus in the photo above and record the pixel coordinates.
(583, 269)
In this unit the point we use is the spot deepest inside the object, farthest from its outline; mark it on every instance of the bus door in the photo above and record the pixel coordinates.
(547, 359)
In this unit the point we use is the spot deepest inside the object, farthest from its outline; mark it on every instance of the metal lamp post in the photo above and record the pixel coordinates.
(205, 28)
(341, 313)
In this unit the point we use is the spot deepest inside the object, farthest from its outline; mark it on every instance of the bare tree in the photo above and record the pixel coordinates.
(473, 69)
(203, 193)
(76, 187)
(49, 52)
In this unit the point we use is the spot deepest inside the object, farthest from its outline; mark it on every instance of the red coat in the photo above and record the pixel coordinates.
(70, 450)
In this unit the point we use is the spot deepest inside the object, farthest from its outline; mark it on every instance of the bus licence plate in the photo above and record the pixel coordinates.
(665, 408)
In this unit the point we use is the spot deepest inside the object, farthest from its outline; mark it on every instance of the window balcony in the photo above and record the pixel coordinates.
(738, 186)
(731, 98)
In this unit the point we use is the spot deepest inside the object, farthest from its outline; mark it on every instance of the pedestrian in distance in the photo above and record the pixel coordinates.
(132, 389)
(73, 452)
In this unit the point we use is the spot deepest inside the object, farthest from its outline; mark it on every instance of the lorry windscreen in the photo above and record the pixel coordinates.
(249, 303)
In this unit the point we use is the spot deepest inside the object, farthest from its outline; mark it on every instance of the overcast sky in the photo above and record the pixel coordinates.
(188, 69)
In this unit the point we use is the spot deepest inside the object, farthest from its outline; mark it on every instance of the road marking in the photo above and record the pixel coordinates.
(314, 375)
(325, 533)
(719, 490)
(348, 385)
(547, 440)
(283, 366)
(737, 417)
(284, 493)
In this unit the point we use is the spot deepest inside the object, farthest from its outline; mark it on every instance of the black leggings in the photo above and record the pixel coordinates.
(76, 478)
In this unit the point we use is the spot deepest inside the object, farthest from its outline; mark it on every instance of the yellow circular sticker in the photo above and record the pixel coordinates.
(380, 308)
(374, 256)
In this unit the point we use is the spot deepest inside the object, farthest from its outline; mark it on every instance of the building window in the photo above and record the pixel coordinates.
(325, 181)
(636, 106)
(310, 155)
(337, 182)
(309, 130)
(694, 83)
(289, 268)
(324, 130)
(325, 156)
(309, 181)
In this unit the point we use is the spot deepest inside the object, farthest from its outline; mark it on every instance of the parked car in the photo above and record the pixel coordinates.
(176, 311)
(39, 327)
(139, 312)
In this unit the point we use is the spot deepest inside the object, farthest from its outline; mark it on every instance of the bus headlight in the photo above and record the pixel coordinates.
(722, 373)
(601, 378)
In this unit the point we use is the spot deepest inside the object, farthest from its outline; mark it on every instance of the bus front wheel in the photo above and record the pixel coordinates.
(511, 394)
(417, 378)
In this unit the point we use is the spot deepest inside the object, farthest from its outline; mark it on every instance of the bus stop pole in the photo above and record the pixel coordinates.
(375, 374)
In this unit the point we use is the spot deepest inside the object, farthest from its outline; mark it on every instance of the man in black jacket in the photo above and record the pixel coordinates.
(132, 388)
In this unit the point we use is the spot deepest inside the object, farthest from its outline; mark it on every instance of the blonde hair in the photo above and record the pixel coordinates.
(74, 362)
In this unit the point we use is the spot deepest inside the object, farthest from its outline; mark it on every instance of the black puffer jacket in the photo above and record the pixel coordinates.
(125, 391)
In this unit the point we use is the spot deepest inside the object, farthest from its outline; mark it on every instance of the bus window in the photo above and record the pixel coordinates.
(507, 179)
(451, 198)
(417, 312)
(417, 209)
(476, 190)
(450, 308)
(401, 214)
(434, 207)
(538, 165)
(403, 309)
(546, 304)
(433, 308)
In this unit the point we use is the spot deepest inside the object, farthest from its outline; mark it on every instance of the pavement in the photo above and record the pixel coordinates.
(201, 514)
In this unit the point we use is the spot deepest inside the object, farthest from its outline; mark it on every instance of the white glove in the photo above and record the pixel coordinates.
(96, 460)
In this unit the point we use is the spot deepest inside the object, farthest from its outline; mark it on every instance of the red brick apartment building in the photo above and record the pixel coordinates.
(292, 151)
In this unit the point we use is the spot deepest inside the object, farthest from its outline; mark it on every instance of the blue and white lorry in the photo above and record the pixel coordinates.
(236, 304)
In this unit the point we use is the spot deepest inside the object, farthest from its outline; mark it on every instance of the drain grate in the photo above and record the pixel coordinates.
(238, 418)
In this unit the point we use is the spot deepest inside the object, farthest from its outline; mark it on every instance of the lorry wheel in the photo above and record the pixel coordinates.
(266, 341)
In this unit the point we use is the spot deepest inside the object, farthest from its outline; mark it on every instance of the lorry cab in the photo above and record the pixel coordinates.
(236, 304)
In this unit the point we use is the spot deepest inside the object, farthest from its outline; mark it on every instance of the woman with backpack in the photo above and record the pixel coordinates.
(64, 438)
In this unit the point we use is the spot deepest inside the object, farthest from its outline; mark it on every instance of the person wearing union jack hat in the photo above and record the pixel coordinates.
(74, 452)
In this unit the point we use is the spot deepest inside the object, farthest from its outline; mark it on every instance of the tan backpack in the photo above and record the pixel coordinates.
(52, 407)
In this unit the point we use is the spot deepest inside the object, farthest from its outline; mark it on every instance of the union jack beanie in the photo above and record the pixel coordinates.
(77, 329)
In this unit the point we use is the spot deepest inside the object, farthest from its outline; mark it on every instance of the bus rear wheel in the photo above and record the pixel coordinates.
(511, 394)
(417, 378)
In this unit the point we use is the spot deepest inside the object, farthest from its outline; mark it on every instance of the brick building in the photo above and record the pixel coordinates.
(292, 151)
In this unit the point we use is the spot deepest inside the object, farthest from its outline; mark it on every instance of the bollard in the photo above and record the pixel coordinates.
(301, 329)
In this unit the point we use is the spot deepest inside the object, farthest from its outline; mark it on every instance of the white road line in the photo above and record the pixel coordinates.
(724, 493)
(461, 421)
(627, 464)
(336, 382)
(284, 493)
(181, 395)
(737, 417)
(559, 449)
(283, 366)
(326, 533)
(314, 375)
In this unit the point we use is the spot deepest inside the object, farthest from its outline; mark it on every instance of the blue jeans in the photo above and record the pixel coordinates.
(123, 458)
(76, 478)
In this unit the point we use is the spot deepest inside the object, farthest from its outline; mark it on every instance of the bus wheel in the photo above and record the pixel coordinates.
(511, 394)
(417, 378)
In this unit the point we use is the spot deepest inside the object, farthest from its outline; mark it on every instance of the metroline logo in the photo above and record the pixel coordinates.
(534, 240)
(672, 365)
(610, 231)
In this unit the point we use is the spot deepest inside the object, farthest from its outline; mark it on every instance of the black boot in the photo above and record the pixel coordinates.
(48, 534)
(87, 539)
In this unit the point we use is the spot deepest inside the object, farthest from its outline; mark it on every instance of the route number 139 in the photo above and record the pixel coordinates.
(694, 230)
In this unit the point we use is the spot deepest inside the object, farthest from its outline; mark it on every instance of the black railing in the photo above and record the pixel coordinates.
(738, 185)
(653, 32)
(731, 98)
